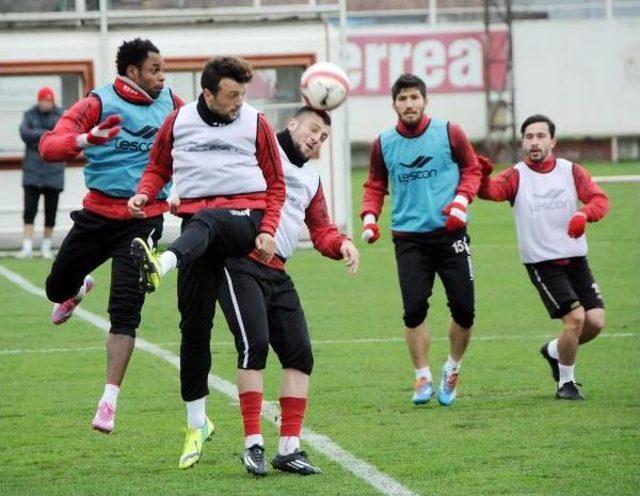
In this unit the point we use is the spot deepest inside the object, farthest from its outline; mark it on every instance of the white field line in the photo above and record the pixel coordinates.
(50, 350)
(617, 179)
(368, 473)
(517, 337)
(475, 337)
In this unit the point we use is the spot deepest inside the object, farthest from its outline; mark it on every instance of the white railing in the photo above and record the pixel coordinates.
(254, 11)
(433, 12)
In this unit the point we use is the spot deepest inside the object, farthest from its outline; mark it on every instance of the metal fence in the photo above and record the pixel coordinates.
(359, 11)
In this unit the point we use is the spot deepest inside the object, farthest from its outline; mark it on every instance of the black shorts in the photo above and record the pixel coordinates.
(93, 240)
(262, 307)
(31, 199)
(208, 238)
(564, 288)
(419, 258)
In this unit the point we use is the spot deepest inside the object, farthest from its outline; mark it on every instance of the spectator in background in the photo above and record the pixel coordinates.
(40, 177)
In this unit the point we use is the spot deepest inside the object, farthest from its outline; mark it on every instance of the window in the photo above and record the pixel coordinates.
(274, 90)
(19, 85)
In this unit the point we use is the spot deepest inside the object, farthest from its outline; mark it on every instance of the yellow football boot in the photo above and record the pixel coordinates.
(193, 441)
(148, 262)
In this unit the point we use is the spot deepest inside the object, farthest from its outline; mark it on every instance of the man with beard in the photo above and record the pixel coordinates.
(544, 192)
(262, 306)
(115, 127)
(434, 174)
(223, 156)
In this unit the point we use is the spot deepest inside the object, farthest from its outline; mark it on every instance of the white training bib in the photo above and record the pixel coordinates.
(302, 185)
(216, 160)
(544, 204)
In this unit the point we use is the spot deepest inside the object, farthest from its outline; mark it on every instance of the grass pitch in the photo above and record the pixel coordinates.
(504, 435)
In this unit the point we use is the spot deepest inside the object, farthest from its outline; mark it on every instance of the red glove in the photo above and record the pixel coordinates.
(100, 134)
(371, 233)
(456, 213)
(577, 225)
(370, 230)
(485, 163)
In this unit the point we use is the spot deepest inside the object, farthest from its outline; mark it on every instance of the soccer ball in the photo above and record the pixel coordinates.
(324, 86)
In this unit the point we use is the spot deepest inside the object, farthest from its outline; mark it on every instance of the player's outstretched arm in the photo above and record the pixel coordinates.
(486, 166)
(100, 134)
(61, 143)
(502, 188)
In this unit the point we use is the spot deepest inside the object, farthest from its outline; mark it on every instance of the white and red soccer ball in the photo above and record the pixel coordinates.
(324, 86)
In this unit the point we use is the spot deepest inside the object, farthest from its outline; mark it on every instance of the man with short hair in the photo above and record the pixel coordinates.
(40, 178)
(434, 175)
(115, 127)
(223, 156)
(262, 306)
(544, 192)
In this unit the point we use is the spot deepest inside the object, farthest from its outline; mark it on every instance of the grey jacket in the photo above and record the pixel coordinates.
(35, 171)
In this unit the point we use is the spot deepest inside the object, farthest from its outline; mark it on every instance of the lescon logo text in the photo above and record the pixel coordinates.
(552, 194)
(407, 177)
(145, 133)
(550, 200)
(551, 205)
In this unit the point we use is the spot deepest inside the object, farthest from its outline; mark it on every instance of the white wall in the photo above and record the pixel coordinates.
(369, 115)
(584, 74)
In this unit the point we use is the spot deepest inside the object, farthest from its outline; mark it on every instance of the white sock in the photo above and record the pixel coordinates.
(566, 374)
(288, 444)
(253, 439)
(168, 261)
(451, 364)
(552, 349)
(196, 413)
(27, 245)
(424, 372)
(46, 245)
(110, 394)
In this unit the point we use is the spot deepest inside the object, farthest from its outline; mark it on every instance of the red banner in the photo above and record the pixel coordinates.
(447, 62)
